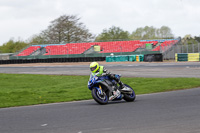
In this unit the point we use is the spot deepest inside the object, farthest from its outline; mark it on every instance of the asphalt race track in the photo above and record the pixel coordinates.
(171, 69)
(168, 112)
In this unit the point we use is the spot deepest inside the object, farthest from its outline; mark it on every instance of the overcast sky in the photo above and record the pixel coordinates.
(24, 18)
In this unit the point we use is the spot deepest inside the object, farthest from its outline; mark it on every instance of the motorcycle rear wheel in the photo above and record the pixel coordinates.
(101, 99)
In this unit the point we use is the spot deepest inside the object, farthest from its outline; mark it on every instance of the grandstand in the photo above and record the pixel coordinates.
(97, 47)
(28, 51)
(95, 51)
(165, 45)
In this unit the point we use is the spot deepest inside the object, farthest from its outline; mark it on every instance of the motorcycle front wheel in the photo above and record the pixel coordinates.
(129, 97)
(99, 98)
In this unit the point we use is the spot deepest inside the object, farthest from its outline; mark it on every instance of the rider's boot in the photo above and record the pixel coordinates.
(123, 88)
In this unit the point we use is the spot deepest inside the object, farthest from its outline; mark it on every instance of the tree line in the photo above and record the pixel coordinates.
(69, 29)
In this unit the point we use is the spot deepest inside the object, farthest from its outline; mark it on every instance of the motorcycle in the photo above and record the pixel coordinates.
(105, 89)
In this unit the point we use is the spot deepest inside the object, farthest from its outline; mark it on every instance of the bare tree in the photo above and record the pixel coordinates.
(165, 32)
(152, 33)
(65, 29)
(113, 33)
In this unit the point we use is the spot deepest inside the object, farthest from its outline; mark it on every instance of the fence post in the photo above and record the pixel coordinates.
(193, 48)
(174, 49)
(182, 48)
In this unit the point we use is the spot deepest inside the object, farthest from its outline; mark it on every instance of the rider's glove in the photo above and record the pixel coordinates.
(108, 73)
(112, 76)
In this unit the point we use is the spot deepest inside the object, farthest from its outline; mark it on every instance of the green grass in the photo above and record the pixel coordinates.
(28, 89)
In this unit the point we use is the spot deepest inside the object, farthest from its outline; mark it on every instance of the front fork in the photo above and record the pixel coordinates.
(99, 89)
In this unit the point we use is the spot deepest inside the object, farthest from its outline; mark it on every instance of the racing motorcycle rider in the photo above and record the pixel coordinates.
(100, 70)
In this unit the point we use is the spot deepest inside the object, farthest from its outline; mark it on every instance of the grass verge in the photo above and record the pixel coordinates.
(28, 89)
